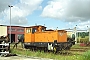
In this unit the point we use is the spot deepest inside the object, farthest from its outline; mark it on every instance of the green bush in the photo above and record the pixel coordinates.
(86, 55)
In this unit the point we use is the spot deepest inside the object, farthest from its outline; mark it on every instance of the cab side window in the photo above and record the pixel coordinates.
(28, 30)
(33, 30)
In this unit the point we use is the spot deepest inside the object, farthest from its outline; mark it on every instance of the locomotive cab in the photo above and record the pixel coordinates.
(34, 29)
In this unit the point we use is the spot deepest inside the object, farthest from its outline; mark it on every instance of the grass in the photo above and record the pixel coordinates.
(45, 55)
(49, 55)
(86, 55)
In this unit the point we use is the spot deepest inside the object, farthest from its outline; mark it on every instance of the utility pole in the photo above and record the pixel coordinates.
(10, 23)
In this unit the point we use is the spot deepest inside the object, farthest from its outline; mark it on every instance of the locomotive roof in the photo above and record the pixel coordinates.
(36, 26)
(49, 30)
(54, 30)
(62, 30)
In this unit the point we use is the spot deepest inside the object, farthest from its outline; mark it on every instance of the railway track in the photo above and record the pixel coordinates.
(83, 49)
(74, 51)
(78, 50)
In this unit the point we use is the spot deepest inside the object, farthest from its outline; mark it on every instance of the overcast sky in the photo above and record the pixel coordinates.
(52, 13)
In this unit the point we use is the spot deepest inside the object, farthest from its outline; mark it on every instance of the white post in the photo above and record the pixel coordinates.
(89, 34)
(88, 30)
(79, 36)
(75, 31)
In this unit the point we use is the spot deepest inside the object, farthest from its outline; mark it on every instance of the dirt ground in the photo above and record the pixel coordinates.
(22, 58)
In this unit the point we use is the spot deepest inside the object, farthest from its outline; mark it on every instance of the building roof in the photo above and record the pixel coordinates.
(16, 26)
(12, 26)
(3, 25)
(71, 30)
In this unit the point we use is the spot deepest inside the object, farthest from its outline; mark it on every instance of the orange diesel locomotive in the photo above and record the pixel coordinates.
(37, 37)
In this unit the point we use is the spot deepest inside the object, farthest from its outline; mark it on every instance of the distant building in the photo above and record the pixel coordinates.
(16, 32)
(80, 35)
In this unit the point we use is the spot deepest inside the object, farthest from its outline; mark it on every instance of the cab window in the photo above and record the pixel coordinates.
(28, 30)
(33, 30)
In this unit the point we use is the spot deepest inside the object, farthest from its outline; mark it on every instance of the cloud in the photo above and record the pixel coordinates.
(4, 4)
(83, 25)
(20, 10)
(68, 10)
